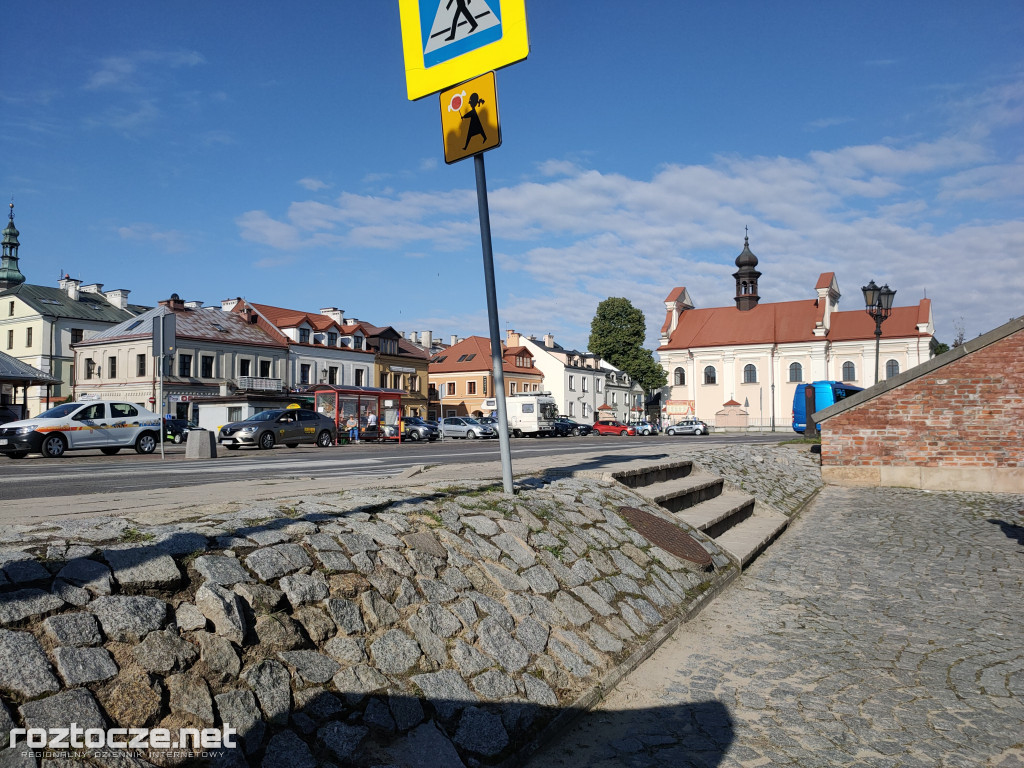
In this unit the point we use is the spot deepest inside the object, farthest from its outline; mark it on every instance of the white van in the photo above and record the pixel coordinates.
(531, 413)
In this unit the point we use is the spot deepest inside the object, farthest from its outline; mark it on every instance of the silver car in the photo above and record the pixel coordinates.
(688, 426)
(465, 426)
(290, 426)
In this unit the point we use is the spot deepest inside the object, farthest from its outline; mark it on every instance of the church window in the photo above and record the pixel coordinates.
(849, 371)
(750, 374)
(710, 377)
(679, 377)
(892, 368)
(796, 372)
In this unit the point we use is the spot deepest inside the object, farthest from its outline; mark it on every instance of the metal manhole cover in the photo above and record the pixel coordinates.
(668, 536)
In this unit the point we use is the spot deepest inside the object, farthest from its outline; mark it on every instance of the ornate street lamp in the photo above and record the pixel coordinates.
(878, 304)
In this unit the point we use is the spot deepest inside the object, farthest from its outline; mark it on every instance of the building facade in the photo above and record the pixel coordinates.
(757, 353)
(215, 353)
(575, 379)
(462, 380)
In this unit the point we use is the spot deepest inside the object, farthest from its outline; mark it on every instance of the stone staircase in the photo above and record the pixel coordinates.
(740, 525)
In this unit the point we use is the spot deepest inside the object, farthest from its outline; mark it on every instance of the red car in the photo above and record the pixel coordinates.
(613, 428)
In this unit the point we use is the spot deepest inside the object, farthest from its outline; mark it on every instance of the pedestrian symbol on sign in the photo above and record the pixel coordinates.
(459, 26)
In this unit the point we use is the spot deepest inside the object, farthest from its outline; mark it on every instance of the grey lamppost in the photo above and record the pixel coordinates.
(878, 304)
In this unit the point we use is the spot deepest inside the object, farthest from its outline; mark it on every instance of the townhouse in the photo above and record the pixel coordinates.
(462, 381)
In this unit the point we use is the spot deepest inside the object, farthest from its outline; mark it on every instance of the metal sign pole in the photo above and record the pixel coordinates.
(492, 318)
(160, 390)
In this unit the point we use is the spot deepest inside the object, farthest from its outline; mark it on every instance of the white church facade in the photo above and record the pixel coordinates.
(755, 354)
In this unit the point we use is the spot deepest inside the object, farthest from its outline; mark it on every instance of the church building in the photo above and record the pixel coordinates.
(755, 353)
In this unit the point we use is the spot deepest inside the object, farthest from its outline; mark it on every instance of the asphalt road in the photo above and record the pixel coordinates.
(90, 472)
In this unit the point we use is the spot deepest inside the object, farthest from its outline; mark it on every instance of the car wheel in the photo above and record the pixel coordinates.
(324, 439)
(110, 451)
(623, 433)
(177, 439)
(17, 454)
(54, 446)
(576, 432)
(267, 440)
(145, 443)
(698, 432)
(471, 435)
(414, 435)
(292, 445)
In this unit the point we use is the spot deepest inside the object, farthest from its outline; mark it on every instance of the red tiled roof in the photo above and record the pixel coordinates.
(480, 348)
(786, 322)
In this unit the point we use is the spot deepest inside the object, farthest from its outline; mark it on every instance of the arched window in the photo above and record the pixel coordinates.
(709, 375)
(750, 374)
(679, 376)
(849, 371)
(892, 368)
(796, 372)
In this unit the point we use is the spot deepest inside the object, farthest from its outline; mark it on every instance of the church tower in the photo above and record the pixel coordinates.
(10, 275)
(746, 278)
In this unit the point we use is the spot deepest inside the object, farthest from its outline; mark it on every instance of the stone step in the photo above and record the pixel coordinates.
(716, 515)
(645, 474)
(684, 492)
(749, 538)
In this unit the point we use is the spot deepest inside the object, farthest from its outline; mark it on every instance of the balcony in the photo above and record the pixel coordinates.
(252, 383)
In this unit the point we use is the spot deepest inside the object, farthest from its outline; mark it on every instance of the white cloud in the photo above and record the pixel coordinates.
(898, 211)
(313, 185)
(169, 241)
(125, 72)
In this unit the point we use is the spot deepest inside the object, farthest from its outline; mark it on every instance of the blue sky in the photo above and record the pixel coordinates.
(267, 150)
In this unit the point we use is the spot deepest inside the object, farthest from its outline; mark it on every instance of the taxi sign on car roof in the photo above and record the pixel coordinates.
(449, 41)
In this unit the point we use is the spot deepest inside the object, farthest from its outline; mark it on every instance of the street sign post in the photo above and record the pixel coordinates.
(469, 118)
(449, 41)
(165, 331)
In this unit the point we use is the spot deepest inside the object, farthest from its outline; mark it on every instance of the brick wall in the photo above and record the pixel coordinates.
(967, 414)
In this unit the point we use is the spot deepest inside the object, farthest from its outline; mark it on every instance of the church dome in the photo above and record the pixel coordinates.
(747, 257)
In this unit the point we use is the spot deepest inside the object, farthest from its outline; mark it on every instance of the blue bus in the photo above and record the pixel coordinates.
(826, 393)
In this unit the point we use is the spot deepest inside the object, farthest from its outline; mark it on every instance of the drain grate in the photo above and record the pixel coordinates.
(668, 536)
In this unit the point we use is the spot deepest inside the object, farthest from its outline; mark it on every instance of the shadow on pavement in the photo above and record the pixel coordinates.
(1012, 531)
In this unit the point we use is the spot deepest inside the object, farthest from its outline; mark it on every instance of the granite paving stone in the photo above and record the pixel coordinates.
(84, 665)
(24, 668)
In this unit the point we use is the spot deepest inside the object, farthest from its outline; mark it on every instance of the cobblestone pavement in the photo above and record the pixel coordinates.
(885, 628)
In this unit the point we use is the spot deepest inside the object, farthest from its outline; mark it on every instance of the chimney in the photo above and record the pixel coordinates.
(549, 341)
(337, 315)
(426, 339)
(512, 338)
(119, 298)
(228, 304)
(455, 340)
(71, 286)
(193, 305)
(93, 288)
(173, 303)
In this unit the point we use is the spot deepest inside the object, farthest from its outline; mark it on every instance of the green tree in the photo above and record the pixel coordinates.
(617, 335)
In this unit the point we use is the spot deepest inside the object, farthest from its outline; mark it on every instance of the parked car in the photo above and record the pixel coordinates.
(565, 427)
(176, 430)
(104, 424)
(290, 426)
(490, 421)
(645, 428)
(416, 428)
(613, 428)
(6, 415)
(465, 426)
(688, 426)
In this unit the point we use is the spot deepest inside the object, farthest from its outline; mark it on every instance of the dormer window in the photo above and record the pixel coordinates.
(332, 339)
(357, 342)
(303, 335)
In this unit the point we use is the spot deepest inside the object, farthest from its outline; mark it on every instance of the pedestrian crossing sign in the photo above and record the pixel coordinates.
(451, 41)
(469, 118)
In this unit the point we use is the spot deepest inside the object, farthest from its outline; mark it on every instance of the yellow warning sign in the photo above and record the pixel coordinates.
(469, 118)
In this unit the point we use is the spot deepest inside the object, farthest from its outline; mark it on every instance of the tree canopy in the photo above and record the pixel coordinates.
(617, 335)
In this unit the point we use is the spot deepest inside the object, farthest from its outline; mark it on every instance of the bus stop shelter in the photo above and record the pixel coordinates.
(369, 408)
(15, 374)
